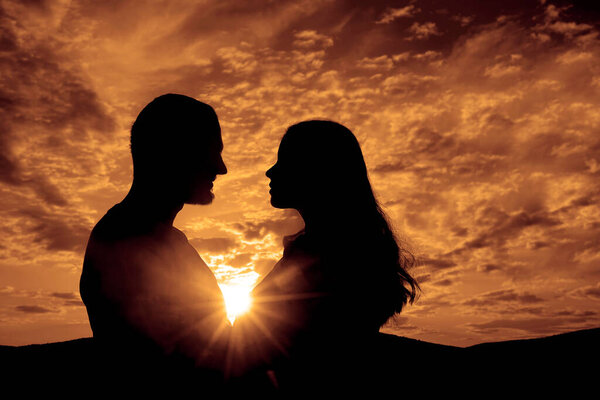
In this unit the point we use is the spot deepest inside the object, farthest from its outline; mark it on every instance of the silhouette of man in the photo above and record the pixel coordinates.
(150, 298)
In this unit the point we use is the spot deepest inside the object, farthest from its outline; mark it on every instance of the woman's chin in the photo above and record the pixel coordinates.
(278, 203)
(275, 204)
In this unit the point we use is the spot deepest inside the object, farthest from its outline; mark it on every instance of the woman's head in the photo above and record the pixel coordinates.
(319, 163)
(321, 172)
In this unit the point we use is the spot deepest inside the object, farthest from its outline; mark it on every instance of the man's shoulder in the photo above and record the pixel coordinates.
(116, 225)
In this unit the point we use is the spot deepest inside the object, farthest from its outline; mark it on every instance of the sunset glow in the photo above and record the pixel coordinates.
(237, 300)
(479, 122)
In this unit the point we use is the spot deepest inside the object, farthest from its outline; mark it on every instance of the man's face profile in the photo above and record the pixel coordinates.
(202, 163)
(176, 147)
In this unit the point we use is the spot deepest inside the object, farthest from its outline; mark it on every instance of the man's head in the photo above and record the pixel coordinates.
(176, 147)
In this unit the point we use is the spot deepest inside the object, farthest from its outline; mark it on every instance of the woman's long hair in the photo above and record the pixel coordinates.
(331, 159)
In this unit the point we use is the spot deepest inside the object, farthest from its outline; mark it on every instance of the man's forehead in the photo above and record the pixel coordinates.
(205, 136)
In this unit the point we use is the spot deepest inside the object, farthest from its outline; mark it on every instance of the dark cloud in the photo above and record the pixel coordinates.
(539, 311)
(42, 97)
(432, 303)
(74, 303)
(460, 231)
(55, 231)
(503, 296)
(497, 227)
(8, 41)
(65, 295)
(33, 309)
(444, 282)
(534, 326)
(538, 244)
(588, 199)
(399, 165)
(592, 292)
(487, 268)
(575, 313)
(436, 264)
(589, 292)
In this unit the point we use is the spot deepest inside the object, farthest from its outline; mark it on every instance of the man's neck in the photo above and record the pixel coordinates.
(156, 206)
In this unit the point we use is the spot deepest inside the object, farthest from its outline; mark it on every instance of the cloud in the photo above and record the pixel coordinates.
(499, 227)
(213, 245)
(70, 299)
(489, 268)
(502, 296)
(537, 326)
(574, 56)
(65, 295)
(310, 38)
(46, 103)
(407, 84)
(436, 264)
(463, 20)
(74, 303)
(34, 309)
(394, 13)
(55, 231)
(444, 282)
(553, 24)
(423, 31)
(253, 230)
(501, 70)
(568, 28)
(7, 289)
(236, 61)
(587, 292)
(241, 260)
(428, 55)
(383, 62)
(258, 20)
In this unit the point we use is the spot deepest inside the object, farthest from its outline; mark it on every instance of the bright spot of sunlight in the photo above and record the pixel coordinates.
(237, 299)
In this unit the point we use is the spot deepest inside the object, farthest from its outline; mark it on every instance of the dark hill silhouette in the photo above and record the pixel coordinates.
(564, 362)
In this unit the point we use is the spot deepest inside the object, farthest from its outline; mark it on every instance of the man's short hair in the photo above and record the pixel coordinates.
(169, 124)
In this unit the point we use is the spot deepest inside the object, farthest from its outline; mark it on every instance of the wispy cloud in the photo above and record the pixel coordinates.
(394, 13)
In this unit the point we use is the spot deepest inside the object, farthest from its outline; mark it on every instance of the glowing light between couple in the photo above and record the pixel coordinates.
(238, 300)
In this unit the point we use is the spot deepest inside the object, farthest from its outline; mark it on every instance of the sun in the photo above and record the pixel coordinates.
(237, 300)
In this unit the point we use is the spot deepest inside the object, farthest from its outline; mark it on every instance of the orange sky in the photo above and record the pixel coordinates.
(479, 122)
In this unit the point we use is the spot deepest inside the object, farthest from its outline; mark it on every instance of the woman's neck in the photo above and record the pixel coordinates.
(318, 224)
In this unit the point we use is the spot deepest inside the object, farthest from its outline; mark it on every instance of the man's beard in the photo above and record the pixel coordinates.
(202, 196)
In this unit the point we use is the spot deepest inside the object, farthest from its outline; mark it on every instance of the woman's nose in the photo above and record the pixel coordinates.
(269, 172)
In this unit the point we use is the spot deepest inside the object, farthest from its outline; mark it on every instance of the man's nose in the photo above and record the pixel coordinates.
(221, 167)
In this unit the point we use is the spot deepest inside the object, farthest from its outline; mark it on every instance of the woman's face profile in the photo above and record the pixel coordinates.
(316, 167)
(290, 179)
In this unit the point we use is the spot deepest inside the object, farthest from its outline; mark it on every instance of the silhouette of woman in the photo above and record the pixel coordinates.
(340, 278)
